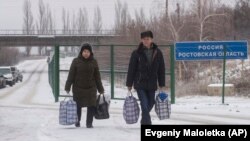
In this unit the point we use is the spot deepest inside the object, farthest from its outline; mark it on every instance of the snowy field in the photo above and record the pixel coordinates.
(28, 112)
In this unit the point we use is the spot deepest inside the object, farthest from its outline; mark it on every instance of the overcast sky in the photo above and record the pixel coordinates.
(11, 11)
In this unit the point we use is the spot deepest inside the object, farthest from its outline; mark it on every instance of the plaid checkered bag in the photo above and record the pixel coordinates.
(162, 107)
(68, 112)
(131, 110)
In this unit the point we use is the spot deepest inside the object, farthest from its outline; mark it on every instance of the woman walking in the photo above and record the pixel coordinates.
(85, 79)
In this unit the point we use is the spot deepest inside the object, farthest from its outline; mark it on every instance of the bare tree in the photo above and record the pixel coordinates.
(42, 17)
(205, 11)
(45, 24)
(242, 19)
(208, 22)
(69, 25)
(137, 25)
(28, 22)
(51, 25)
(175, 33)
(73, 23)
(118, 11)
(166, 12)
(97, 20)
(28, 25)
(125, 17)
(175, 24)
(140, 19)
(9, 56)
(82, 20)
(66, 21)
(122, 17)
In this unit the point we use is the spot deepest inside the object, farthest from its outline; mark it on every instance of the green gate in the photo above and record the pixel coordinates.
(113, 62)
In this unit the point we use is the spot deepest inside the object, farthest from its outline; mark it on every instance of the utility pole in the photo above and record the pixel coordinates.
(179, 24)
(178, 11)
(166, 9)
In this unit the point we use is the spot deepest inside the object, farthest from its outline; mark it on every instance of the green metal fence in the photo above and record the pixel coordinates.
(113, 62)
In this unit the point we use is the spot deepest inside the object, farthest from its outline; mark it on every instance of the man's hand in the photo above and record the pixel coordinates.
(161, 89)
(167, 88)
(67, 92)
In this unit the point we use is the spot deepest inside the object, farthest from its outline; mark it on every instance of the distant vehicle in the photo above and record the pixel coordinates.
(8, 76)
(19, 76)
(14, 73)
(2, 81)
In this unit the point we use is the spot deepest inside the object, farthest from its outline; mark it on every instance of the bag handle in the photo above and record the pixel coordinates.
(68, 97)
(103, 97)
(129, 93)
(160, 91)
(99, 96)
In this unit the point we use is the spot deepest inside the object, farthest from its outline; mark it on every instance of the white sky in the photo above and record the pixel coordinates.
(11, 11)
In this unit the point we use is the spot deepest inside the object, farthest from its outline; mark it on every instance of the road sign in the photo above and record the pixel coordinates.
(211, 50)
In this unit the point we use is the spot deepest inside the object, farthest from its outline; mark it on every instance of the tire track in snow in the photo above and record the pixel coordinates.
(28, 98)
(25, 65)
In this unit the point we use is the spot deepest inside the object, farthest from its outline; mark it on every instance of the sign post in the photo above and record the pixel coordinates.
(223, 50)
(224, 73)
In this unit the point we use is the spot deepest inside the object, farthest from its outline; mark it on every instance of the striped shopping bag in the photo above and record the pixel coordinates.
(68, 112)
(162, 106)
(131, 110)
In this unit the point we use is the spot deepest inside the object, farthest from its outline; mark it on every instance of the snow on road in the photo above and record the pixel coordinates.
(28, 112)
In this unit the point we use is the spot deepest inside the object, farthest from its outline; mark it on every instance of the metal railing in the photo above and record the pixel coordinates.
(113, 69)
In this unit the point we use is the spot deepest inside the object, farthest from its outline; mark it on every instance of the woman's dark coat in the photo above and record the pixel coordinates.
(84, 76)
(143, 74)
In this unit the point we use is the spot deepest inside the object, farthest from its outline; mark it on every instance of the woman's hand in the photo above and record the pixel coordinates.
(129, 88)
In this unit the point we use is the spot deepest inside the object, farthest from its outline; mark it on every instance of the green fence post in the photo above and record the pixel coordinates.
(56, 73)
(112, 71)
(224, 73)
(53, 73)
(172, 76)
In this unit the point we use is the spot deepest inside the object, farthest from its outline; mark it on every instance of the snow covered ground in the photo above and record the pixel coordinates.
(28, 112)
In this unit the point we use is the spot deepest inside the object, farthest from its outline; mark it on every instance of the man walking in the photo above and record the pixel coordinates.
(146, 72)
